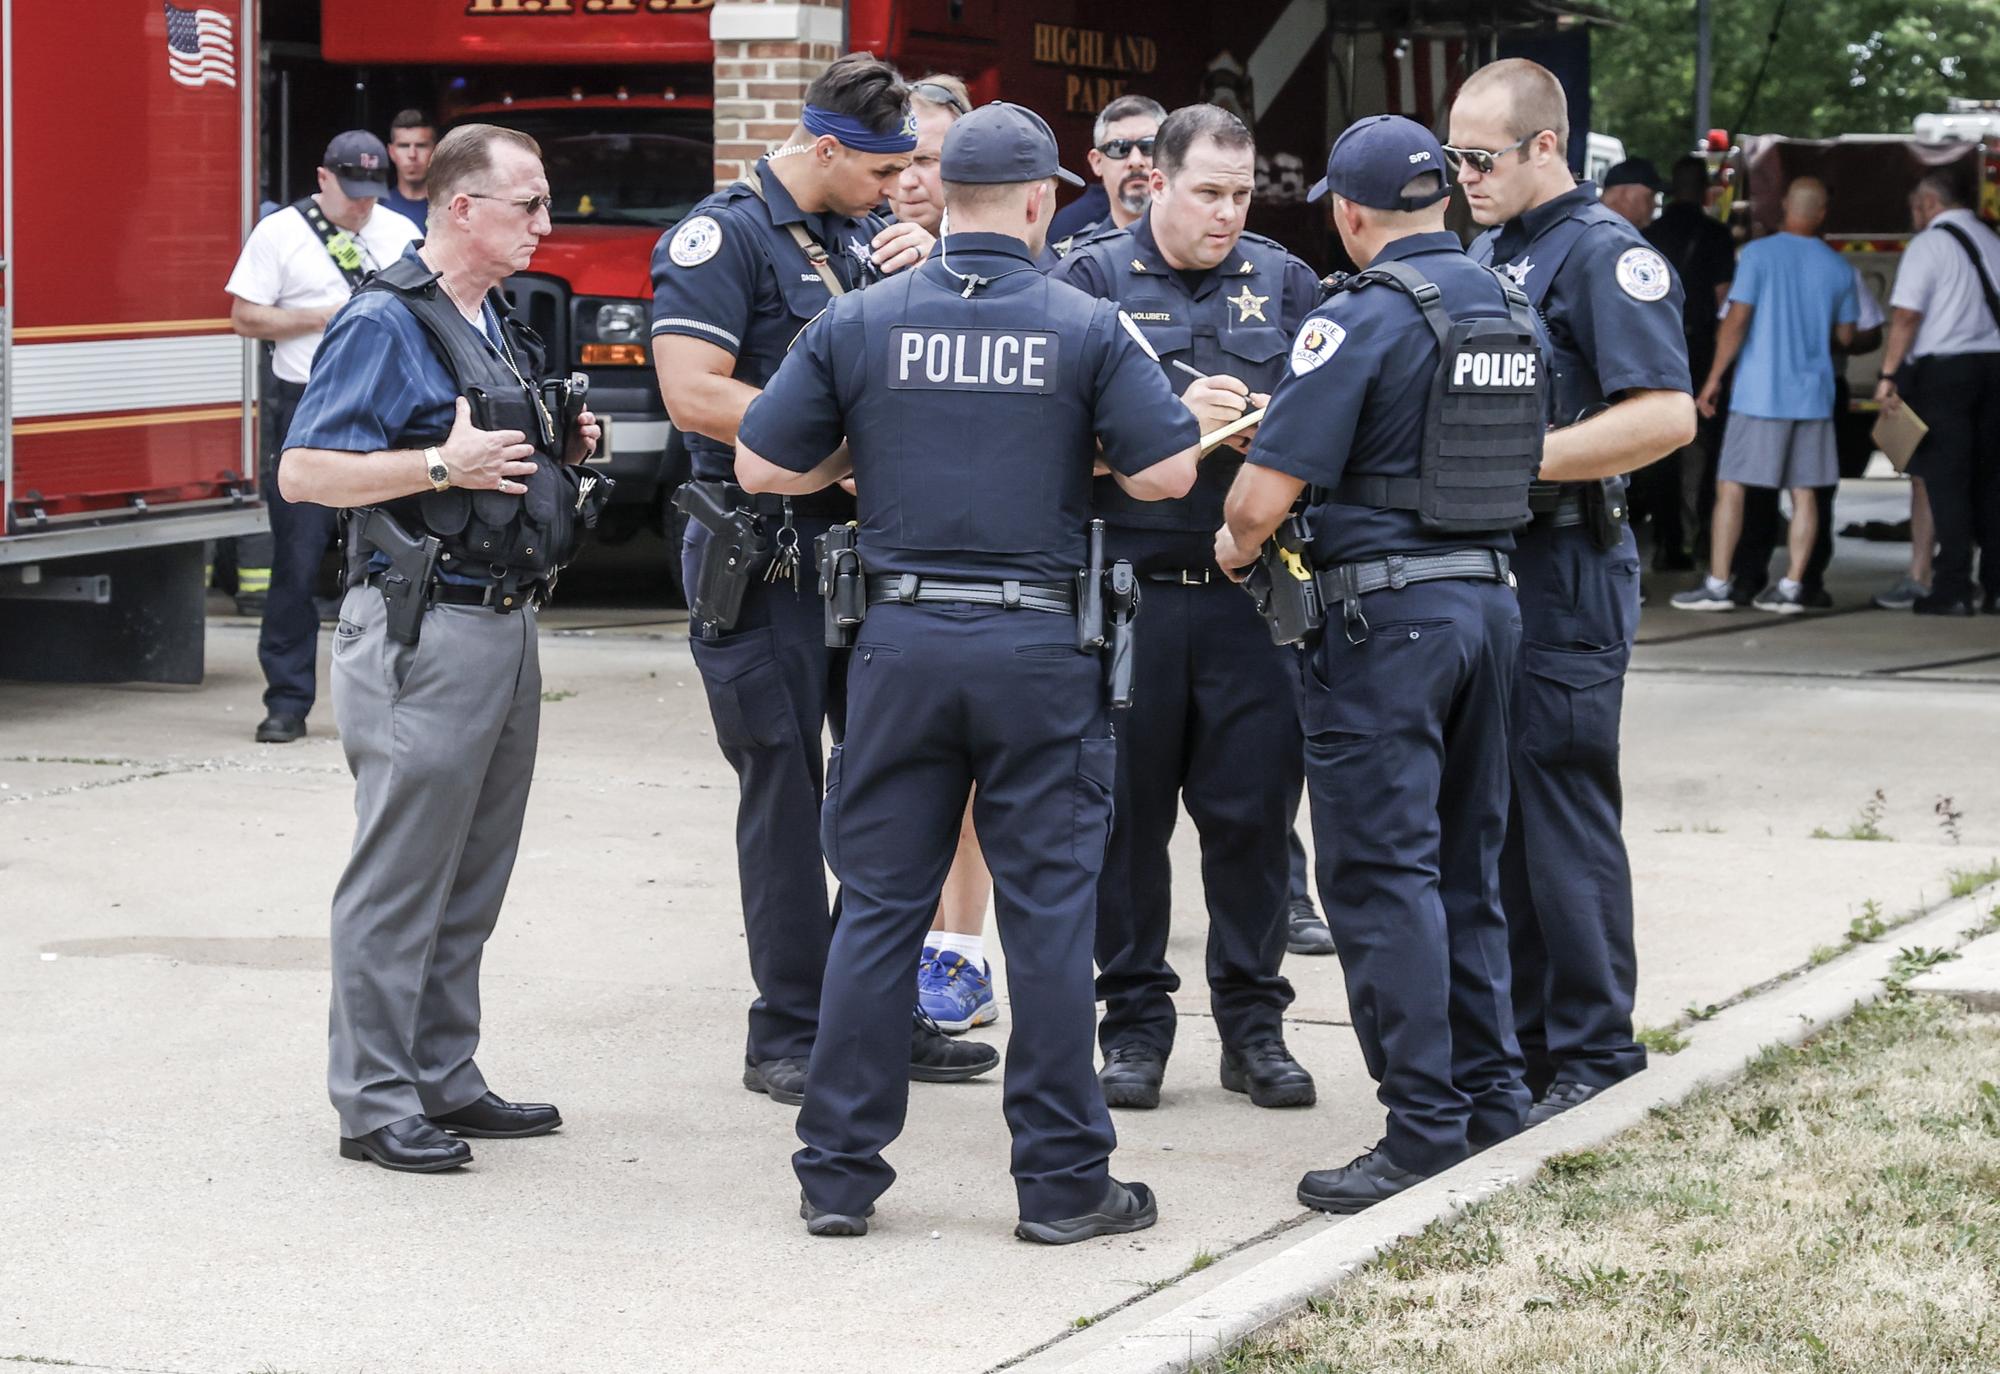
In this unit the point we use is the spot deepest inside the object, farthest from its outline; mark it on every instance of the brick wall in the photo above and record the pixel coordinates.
(766, 54)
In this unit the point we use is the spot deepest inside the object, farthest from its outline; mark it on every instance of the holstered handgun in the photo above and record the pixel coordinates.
(1090, 595)
(736, 550)
(406, 587)
(1281, 583)
(1122, 608)
(842, 583)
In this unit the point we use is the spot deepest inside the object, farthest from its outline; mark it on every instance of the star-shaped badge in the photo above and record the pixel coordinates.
(1518, 271)
(1249, 307)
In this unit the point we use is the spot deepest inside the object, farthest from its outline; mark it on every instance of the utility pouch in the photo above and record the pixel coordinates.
(842, 583)
(1604, 511)
(736, 550)
(1281, 583)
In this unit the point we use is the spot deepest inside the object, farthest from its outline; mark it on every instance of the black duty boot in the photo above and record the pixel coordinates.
(1305, 932)
(823, 1223)
(1266, 1070)
(1559, 1099)
(1357, 1185)
(1131, 1076)
(280, 729)
(936, 1058)
(783, 1079)
(1126, 1207)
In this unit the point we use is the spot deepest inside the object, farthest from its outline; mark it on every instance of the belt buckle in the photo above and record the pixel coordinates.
(1398, 570)
(1194, 579)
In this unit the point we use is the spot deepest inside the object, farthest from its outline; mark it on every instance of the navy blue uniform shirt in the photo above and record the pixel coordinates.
(972, 422)
(418, 212)
(1355, 395)
(1237, 318)
(1603, 307)
(731, 274)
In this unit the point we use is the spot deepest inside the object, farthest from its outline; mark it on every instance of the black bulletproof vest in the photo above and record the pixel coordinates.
(1576, 385)
(971, 424)
(1482, 441)
(490, 533)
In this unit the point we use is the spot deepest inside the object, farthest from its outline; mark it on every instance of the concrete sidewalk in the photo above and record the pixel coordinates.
(171, 1199)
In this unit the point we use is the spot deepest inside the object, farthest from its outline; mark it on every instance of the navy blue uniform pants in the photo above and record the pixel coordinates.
(773, 687)
(1211, 723)
(1565, 877)
(941, 698)
(1406, 766)
(1959, 397)
(301, 532)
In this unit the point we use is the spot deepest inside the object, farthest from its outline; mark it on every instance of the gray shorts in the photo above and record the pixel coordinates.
(1781, 454)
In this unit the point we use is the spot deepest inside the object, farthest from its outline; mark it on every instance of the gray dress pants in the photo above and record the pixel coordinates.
(440, 737)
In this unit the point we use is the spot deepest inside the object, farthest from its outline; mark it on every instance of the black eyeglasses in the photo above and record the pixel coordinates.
(940, 95)
(534, 205)
(1483, 160)
(1118, 149)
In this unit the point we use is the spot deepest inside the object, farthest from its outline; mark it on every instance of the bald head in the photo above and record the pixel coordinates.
(1530, 97)
(1805, 206)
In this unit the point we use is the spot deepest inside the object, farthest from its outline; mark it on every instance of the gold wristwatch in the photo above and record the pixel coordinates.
(439, 474)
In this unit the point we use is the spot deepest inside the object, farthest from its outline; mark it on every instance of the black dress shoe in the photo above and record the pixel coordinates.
(1942, 605)
(495, 1118)
(1266, 1070)
(1132, 1075)
(823, 1223)
(1559, 1099)
(411, 1146)
(1357, 1185)
(1126, 1207)
(1305, 932)
(783, 1080)
(937, 1058)
(281, 729)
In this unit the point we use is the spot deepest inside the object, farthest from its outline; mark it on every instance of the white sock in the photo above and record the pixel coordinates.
(971, 948)
(1789, 587)
(1718, 585)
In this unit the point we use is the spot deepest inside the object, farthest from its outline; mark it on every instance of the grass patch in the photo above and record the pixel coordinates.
(559, 694)
(1662, 1039)
(1866, 825)
(1202, 1259)
(1986, 926)
(1966, 881)
(1837, 1209)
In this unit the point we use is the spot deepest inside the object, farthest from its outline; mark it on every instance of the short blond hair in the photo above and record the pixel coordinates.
(467, 154)
(1535, 99)
(950, 83)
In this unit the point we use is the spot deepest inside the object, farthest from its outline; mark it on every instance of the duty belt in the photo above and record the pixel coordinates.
(1056, 598)
(1347, 584)
(1557, 503)
(1184, 577)
(488, 594)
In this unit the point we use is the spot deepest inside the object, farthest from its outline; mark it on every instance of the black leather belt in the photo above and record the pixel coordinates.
(1184, 577)
(1556, 503)
(488, 594)
(1351, 580)
(908, 589)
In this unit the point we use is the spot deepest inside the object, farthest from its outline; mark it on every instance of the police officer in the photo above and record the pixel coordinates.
(732, 286)
(1212, 712)
(459, 516)
(1613, 309)
(1413, 408)
(973, 394)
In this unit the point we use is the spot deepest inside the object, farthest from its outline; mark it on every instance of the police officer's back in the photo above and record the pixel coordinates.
(1413, 408)
(972, 396)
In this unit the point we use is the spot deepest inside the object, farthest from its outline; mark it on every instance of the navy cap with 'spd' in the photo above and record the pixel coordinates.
(1376, 158)
(999, 144)
(359, 162)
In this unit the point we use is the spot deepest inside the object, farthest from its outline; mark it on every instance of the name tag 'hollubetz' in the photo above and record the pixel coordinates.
(1004, 360)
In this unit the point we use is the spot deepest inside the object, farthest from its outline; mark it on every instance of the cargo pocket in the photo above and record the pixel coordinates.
(829, 810)
(1570, 704)
(747, 694)
(1096, 774)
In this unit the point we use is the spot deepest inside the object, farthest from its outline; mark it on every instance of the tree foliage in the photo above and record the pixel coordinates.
(1839, 66)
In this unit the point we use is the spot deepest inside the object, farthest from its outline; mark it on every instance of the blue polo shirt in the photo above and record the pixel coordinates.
(418, 212)
(1354, 398)
(1798, 289)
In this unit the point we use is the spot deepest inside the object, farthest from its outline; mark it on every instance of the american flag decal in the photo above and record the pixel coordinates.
(201, 46)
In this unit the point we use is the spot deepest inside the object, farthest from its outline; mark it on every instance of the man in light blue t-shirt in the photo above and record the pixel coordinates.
(1793, 297)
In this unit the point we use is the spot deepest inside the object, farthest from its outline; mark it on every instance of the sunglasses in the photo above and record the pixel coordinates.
(1481, 159)
(354, 171)
(940, 95)
(1119, 148)
(533, 205)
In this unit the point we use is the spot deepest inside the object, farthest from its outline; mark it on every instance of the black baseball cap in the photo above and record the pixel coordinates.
(999, 144)
(1634, 171)
(1375, 158)
(359, 162)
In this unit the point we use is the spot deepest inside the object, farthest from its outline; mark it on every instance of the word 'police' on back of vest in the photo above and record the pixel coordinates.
(1006, 360)
(1494, 369)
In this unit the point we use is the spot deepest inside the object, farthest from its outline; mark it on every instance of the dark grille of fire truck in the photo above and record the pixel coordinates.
(544, 303)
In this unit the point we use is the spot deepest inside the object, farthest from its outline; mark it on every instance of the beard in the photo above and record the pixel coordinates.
(1135, 194)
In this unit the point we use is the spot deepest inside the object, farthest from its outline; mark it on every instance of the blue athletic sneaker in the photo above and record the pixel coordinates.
(955, 994)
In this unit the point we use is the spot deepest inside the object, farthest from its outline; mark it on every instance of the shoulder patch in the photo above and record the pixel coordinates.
(1318, 340)
(1643, 275)
(695, 242)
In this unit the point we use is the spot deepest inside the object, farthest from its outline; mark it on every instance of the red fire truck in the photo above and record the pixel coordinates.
(125, 428)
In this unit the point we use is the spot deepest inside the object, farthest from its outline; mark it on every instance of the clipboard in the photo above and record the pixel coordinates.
(1897, 433)
(1248, 420)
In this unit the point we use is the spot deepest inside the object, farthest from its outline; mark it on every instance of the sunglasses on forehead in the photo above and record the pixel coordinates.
(940, 95)
(1116, 148)
(1482, 160)
(354, 171)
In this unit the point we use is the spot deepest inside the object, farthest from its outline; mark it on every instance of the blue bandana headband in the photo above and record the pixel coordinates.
(852, 133)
